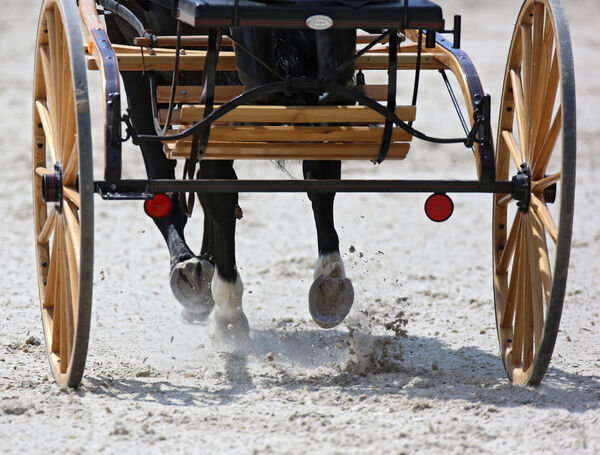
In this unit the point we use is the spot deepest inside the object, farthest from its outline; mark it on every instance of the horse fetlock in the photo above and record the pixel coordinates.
(330, 265)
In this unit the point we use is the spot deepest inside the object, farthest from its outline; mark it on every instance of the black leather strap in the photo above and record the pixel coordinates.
(391, 99)
(200, 137)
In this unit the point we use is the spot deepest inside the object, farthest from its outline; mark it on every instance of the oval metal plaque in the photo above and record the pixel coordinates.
(319, 22)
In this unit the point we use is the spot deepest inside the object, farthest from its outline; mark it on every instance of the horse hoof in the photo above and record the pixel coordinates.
(190, 283)
(192, 318)
(330, 300)
(236, 329)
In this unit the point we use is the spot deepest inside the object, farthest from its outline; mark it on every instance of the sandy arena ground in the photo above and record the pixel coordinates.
(153, 384)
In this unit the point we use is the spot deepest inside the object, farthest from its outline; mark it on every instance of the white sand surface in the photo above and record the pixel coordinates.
(154, 385)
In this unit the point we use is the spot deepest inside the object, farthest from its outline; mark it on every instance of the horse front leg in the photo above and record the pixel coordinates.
(220, 210)
(190, 276)
(331, 294)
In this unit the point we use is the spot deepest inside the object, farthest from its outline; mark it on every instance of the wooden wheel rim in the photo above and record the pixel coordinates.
(64, 241)
(529, 287)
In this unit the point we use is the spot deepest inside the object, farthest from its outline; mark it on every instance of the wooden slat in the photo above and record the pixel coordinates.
(191, 93)
(290, 151)
(194, 61)
(303, 133)
(289, 114)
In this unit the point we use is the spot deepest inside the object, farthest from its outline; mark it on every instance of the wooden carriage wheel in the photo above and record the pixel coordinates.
(531, 248)
(63, 189)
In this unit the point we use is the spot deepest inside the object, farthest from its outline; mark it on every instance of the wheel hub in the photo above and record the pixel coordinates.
(52, 188)
(522, 187)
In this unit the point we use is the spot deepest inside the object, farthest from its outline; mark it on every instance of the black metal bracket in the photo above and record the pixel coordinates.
(113, 114)
(456, 34)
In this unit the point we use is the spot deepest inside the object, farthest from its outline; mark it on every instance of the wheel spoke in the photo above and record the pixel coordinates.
(538, 41)
(48, 228)
(519, 110)
(72, 230)
(70, 171)
(57, 258)
(48, 130)
(545, 217)
(48, 77)
(549, 100)
(515, 152)
(505, 200)
(540, 185)
(70, 291)
(58, 66)
(72, 195)
(69, 131)
(546, 42)
(509, 310)
(537, 305)
(544, 258)
(51, 279)
(526, 70)
(63, 77)
(41, 171)
(520, 325)
(509, 247)
(541, 162)
(72, 259)
(64, 325)
(56, 76)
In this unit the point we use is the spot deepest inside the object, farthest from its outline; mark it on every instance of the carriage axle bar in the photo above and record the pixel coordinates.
(145, 189)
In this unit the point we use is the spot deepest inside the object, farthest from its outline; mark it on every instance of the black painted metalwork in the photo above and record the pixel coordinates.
(459, 112)
(52, 187)
(486, 149)
(313, 85)
(522, 192)
(112, 135)
(145, 189)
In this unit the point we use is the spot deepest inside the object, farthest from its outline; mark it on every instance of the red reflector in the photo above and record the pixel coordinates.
(439, 207)
(158, 206)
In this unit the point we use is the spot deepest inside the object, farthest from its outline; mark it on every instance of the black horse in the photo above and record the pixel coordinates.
(210, 281)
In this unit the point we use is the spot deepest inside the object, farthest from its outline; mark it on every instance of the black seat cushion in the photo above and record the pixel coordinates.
(369, 14)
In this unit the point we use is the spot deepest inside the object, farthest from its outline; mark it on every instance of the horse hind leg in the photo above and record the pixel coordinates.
(331, 295)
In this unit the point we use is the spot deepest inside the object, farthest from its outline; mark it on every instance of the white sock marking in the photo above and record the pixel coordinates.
(227, 297)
